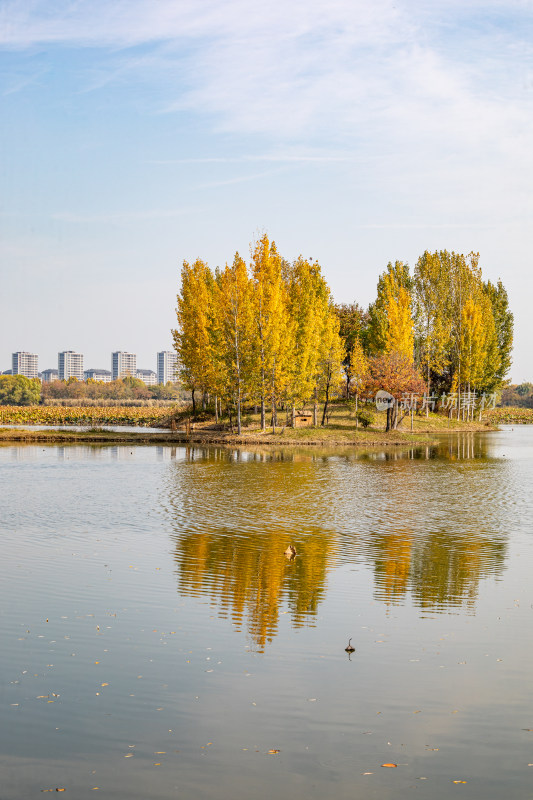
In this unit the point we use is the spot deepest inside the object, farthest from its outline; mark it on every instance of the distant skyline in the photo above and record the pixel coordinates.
(42, 367)
(138, 134)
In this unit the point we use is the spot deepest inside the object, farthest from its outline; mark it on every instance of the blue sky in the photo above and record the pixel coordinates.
(138, 134)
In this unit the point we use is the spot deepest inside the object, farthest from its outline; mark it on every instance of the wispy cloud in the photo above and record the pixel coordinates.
(120, 217)
(449, 74)
(288, 158)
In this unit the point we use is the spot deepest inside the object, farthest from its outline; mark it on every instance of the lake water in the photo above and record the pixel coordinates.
(157, 643)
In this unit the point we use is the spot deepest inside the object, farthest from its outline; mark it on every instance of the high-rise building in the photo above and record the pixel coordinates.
(70, 365)
(147, 376)
(25, 364)
(123, 364)
(49, 375)
(167, 366)
(102, 375)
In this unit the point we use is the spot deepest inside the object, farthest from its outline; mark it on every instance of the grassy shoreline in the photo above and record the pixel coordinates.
(366, 439)
(339, 432)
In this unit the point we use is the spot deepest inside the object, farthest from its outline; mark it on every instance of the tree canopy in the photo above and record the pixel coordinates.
(17, 390)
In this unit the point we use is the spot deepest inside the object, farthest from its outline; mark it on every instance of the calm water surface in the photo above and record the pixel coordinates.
(157, 643)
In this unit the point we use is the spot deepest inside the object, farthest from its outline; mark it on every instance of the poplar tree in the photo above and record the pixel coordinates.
(308, 304)
(503, 326)
(391, 325)
(353, 324)
(432, 277)
(331, 356)
(272, 324)
(235, 307)
(192, 339)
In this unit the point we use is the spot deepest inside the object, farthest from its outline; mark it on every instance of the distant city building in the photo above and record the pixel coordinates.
(102, 375)
(123, 364)
(25, 364)
(146, 375)
(167, 365)
(70, 365)
(49, 375)
(7, 372)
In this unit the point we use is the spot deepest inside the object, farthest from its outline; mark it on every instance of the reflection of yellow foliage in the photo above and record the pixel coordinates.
(249, 577)
(394, 564)
(234, 515)
(233, 522)
(438, 568)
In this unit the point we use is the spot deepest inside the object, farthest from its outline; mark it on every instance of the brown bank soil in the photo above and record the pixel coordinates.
(339, 432)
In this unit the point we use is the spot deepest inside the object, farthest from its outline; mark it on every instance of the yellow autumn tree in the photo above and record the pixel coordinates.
(400, 331)
(330, 358)
(479, 353)
(358, 371)
(273, 326)
(309, 298)
(193, 338)
(236, 319)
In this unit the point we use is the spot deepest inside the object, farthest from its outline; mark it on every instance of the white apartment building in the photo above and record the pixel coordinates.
(148, 376)
(167, 365)
(101, 375)
(123, 364)
(70, 365)
(26, 364)
(49, 375)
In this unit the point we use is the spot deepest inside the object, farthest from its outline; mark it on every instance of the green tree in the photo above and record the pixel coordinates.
(353, 324)
(17, 390)
(391, 324)
(503, 325)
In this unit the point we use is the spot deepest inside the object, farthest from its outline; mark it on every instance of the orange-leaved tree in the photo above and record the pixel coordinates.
(393, 373)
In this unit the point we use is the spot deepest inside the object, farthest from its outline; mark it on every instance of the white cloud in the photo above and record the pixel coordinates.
(350, 72)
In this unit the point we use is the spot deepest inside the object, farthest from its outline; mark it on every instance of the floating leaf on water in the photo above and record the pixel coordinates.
(389, 765)
(273, 752)
(459, 781)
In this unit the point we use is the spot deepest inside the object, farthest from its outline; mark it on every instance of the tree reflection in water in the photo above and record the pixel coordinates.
(430, 530)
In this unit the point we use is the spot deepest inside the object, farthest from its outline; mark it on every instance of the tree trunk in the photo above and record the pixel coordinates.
(356, 411)
(315, 409)
(326, 402)
(263, 419)
(427, 398)
(293, 416)
(193, 402)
